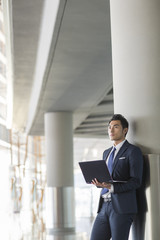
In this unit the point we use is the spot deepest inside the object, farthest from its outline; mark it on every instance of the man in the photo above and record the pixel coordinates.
(118, 203)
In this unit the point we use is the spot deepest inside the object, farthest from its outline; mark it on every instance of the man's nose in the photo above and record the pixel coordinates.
(111, 129)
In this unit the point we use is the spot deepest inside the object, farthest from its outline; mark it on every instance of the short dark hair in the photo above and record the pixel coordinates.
(121, 118)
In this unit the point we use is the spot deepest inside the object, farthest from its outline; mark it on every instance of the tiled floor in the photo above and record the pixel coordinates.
(26, 226)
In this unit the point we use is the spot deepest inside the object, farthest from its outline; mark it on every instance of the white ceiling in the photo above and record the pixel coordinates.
(75, 58)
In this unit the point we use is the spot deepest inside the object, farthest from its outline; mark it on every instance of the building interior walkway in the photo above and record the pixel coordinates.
(22, 214)
(25, 220)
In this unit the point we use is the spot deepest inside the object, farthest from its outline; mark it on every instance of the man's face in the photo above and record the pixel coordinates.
(116, 132)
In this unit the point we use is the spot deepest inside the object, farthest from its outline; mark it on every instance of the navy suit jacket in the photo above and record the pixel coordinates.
(127, 166)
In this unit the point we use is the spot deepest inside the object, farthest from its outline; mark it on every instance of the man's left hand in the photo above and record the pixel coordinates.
(102, 185)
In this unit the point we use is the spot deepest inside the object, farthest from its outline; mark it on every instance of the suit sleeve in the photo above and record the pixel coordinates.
(135, 168)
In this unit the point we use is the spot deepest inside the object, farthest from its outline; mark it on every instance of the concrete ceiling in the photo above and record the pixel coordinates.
(61, 65)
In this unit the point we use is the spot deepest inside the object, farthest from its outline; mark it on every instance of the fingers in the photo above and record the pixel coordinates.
(96, 183)
(102, 185)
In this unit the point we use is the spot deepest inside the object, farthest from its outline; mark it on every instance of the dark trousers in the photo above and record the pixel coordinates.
(109, 224)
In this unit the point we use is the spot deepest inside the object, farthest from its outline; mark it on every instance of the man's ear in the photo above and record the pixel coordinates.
(125, 130)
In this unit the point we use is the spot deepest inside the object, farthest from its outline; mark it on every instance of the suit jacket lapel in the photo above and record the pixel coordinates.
(121, 151)
(107, 153)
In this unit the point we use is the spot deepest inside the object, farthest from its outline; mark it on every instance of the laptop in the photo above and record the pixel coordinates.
(96, 169)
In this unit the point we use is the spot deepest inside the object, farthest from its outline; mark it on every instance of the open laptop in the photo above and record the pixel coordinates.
(96, 169)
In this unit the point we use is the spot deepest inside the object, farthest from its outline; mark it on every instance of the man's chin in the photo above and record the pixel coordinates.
(112, 138)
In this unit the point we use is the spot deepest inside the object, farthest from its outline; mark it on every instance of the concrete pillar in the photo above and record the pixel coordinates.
(59, 157)
(135, 34)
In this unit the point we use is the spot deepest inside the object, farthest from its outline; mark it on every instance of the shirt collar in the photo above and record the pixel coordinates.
(119, 145)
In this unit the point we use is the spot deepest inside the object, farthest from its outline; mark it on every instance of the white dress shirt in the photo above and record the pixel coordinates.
(118, 146)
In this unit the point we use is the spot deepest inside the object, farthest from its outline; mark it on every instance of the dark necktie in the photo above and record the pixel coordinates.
(110, 165)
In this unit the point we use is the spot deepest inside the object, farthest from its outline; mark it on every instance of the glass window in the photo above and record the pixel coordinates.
(3, 69)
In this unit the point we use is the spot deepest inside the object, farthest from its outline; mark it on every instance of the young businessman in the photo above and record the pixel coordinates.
(118, 204)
